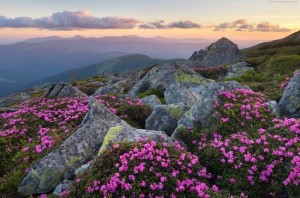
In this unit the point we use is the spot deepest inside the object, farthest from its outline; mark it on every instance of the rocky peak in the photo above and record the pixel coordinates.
(221, 52)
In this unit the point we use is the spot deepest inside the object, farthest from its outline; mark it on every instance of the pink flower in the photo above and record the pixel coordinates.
(232, 180)
(215, 188)
(143, 184)
(25, 149)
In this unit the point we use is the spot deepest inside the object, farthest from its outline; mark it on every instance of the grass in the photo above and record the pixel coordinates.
(89, 89)
(273, 62)
(159, 93)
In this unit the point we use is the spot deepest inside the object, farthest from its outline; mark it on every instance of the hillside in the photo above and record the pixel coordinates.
(113, 66)
(153, 131)
(274, 62)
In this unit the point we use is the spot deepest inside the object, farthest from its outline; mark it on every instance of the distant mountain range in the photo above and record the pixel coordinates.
(23, 79)
(26, 62)
(42, 59)
(116, 65)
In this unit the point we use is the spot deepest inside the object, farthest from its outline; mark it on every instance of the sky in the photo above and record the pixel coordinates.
(209, 19)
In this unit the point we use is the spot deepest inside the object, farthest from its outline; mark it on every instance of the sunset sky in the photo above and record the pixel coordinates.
(235, 19)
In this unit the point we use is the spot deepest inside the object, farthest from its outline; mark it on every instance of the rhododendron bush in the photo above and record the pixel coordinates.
(250, 152)
(31, 132)
(145, 169)
(211, 72)
(246, 152)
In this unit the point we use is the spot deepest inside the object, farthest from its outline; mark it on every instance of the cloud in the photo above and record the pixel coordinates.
(177, 24)
(244, 25)
(184, 25)
(238, 24)
(69, 20)
(153, 25)
(267, 27)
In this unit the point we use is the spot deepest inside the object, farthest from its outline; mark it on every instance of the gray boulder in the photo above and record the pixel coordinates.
(119, 84)
(203, 113)
(152, 101)
(237, 69)
(64, 185)
(289, 104)
(120, 133)
(165, 117)
(177, 93)
(221, 52)
(175, 80)
(79, 148)
(62, 90)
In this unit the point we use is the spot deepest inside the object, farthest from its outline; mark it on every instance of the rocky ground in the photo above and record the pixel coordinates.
(172, 130)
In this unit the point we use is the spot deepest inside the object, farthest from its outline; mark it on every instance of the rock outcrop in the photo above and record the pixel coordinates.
(165, 117)
(289, 104)
(176, 81)
(238, 69)
(219, 53)
(120, 83)
(78, 149)
(119, 133)
(203, 112)
(16, 98)
(62, 90)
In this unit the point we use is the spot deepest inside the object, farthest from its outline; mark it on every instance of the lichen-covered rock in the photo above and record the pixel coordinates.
(64, 185)
(120, 133)
(177, 93)
(152, 101)
(62, 90)
(175, 80)
(165, 117)
(289, 104)
(237, 69)
(203, 113)
(79, 148)
(221, 52)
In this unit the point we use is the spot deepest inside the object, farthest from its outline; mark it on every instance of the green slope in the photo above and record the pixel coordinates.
(273, 61)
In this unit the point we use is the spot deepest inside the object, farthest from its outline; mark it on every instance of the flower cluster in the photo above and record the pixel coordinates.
(150, 169)
(251, 152)
(39, 124)
(284, 84)
(242, 109)
(127, 108)
(211, 72)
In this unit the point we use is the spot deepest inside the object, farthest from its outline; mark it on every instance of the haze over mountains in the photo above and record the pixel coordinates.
(25, 62)
(39, 59)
